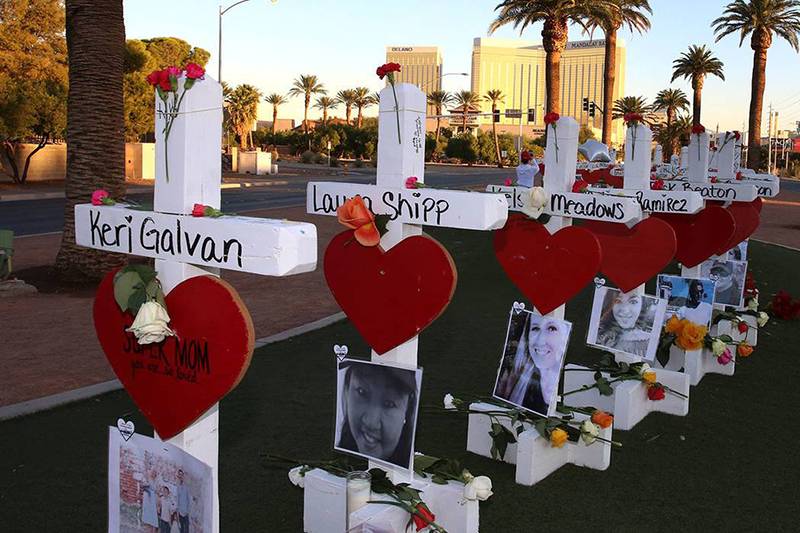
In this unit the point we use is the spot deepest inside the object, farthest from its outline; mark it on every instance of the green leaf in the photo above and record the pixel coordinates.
(146, 272)
(563, 410)
(439, 480)
(124, 284)
(725, 338)
(380, 223)
(662, 355)
(136, 300)
(604, 388)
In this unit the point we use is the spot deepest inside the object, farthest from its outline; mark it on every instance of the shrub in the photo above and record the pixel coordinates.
(334, 162)
(307, 157)
(358, 163)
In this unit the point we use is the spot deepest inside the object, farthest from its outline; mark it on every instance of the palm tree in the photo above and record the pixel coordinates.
(347, 98)
(761, 18)
(631, 105)
(306, 85)
(610, 16)
(95, 125)
(495, 96)
(376, 98)
(243, 111)
(466, 99)
(324, 103)
(361, 101)
(696, 64)
(556, 15)
(439, 99)
(671, 100)
(275, 99)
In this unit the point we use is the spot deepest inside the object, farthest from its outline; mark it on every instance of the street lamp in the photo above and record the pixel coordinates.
(219, 53)
(442, 76)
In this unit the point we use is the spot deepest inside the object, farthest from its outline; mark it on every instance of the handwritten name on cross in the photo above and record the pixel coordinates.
(184, 246)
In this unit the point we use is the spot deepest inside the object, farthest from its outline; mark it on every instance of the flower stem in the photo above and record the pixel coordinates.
(397, 112)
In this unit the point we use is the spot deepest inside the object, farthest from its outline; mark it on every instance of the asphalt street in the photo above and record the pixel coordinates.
(31, 217)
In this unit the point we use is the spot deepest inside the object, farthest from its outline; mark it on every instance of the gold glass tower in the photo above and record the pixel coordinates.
(517, 68)
(419, 65)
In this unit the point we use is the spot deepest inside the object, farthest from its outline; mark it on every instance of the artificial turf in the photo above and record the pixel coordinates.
(730, 465)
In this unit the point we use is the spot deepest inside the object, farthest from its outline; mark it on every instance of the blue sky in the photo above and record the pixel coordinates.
(268, 44)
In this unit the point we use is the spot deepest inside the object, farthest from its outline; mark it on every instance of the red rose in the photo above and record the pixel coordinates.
(580, 186)
(380, 72)
(199, 210)
(713, 179)
(420, 522)
(163, 80)
(154, 77)
(737, 135)
(743, 327)
(551, 117)
(194, 71)
(657, 185)
(656, 393)
(698, 129)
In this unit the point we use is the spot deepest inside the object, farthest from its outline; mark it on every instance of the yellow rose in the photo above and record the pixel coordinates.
(557, 438)
(649, 378)
(691, 336)
(674, 325)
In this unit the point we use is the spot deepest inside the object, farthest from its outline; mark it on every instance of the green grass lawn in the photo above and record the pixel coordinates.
(730, 465)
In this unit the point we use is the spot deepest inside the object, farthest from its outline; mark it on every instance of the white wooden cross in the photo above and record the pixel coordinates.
(410, 209)
(728, 163)
(184, 246)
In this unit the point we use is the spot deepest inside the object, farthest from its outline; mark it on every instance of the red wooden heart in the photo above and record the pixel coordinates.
(699, 235)
(390, 296)
(758, 203)
(631, 256)
(594, 176)
(746, 219)
(177, 380)
(548, 269)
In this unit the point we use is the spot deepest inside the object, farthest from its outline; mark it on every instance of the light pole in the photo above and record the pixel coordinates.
(442, 76)
(219, 51)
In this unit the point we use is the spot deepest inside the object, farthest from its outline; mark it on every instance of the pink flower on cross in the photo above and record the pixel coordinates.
(411, 183)
(101, 197)
(725, 357)
(508, 182)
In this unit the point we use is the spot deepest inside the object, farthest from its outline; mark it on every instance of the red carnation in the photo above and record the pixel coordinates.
(713, 179)
(420, 522)
(580, 186)
(194, 71)
(657, 185)
(739, 176)
(656, 393)
(737, 135)
(551, 117)
(630, 117)
(163, 80)
(154, 77)
(698, 129)
(385, 69)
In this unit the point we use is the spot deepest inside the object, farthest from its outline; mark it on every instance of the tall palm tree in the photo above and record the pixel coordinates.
(495, 96)
(610, 16)
(695, 65)
(671, 100)
(376, 98)
(307, 85)
(761, 18)
(467, 99)
(631, 105)
(439, 99)
(324, 103)
(556, 15)
(243, 111)
(275, 99)
(362, 100)
(347, 98)
(95, 125)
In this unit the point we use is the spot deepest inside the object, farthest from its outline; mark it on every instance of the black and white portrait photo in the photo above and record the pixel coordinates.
(738, 252)
(532, 359)
(729, 278)
(687, 298)
(376, 411)
(628, 323)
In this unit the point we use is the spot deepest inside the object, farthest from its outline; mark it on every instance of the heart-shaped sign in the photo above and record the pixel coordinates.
(340, 351)
(548, 269)
(758, 203)
(177, 380)
(126, 429)
(746, 220)
(699, 235)
(599, 282)
(631, 256)
(518, 307)
(390, 296)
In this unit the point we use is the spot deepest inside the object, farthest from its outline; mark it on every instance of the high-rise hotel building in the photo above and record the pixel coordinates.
(419, 65)
(517, 68)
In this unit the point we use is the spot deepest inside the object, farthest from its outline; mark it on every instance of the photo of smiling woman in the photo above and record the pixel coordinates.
(376, 411)
(531, 364)
(628, 323)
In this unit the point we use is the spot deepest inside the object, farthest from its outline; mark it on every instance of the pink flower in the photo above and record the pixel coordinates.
(199, 210)
(194, 71)
(98, 195)
(173, 71)
(411, 183)
(580, 186)
(725, 357)
(657, 185)
(508, 182)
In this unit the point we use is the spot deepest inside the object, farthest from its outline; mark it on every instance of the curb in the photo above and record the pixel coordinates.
(62, 398)
(240, 185)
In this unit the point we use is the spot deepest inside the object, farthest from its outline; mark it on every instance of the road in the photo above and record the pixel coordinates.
(32, 217)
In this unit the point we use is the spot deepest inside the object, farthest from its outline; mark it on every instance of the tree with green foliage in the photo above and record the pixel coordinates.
(463, 147)
(362, 100)
(347, 98)
(467, 100)
(306, 86)
(242, 107)
(324, 104)
(631, 105)
(672, 101)
(438, 99)
(33, 78)
(275, 100)
(495, 96)
(696, 64)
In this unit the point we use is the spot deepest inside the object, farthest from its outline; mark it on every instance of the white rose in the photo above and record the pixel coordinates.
(752, 303)
(150, 324)
(644, 368)
(297, 477)
(762, 319)
(448, 401)
(589, 432)
(534, 203)
(480, 488)
(718, 347)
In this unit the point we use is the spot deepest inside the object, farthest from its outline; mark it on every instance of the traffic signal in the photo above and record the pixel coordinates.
(592, 109)
(586, 104)
(496, 116)
(531, 115)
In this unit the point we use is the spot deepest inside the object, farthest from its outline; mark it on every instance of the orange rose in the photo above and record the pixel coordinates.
(691, 336)
(557, 438)
(355, 215)
(602, 419)
(674, 325)
(649, 378)
(745, 349)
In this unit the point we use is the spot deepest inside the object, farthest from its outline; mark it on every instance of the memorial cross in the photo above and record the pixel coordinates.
(184, 246)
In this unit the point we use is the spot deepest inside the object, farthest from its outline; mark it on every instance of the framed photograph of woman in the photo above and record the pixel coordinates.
(376, 411)
(533, 356)
(729, 278)
(687, 298)
(626, 323)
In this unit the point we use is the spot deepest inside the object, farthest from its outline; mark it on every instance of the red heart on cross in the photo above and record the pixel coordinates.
(631, 256)
(758, 203)
(746, 220)
(177, 380)
(548, 269)
(390, 296)
(699, 235)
